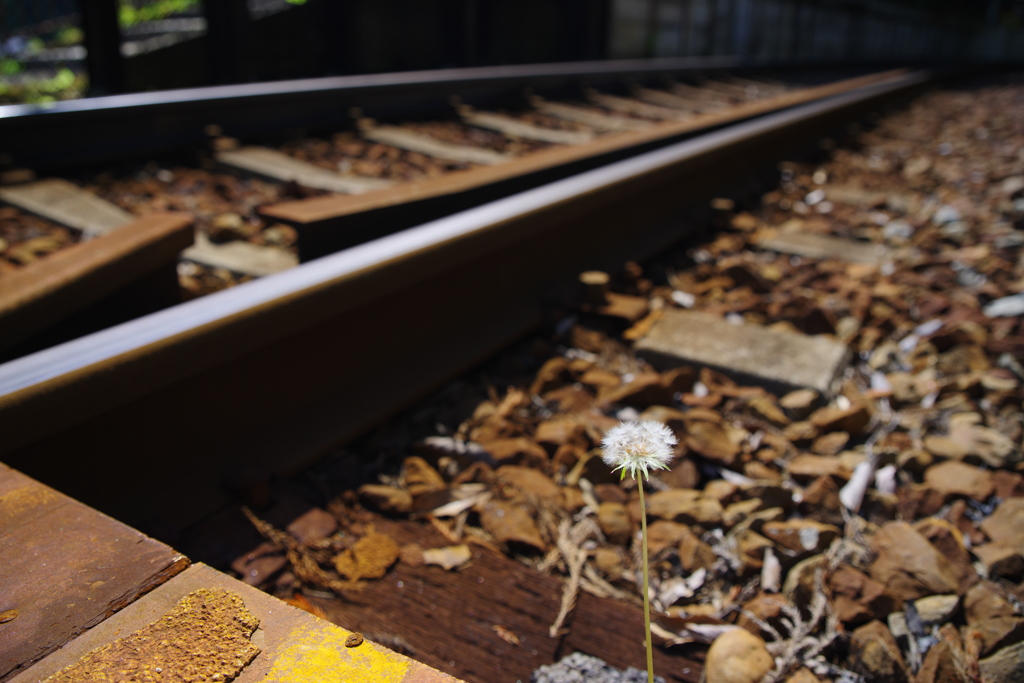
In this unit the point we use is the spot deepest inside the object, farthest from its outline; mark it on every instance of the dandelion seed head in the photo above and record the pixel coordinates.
(638, 446)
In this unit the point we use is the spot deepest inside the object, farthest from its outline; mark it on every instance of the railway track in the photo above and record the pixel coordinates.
(302, 344)
(260, 209)
(281, 370)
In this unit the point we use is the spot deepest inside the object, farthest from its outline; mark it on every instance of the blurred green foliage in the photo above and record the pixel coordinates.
(69, 35)
(65, 85)
(10, 67)
(129, 14)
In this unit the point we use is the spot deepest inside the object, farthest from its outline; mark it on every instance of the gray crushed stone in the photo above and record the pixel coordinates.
(581, 668)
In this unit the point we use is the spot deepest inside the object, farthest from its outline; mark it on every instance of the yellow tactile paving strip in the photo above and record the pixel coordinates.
(294, 645)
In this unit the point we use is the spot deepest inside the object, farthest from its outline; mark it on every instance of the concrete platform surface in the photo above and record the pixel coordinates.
(293, 645)
(748, 353)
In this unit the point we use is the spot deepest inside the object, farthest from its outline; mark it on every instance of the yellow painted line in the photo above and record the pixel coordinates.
(317, 652)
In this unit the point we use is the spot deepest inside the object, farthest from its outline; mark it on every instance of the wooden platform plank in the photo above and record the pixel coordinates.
(632, 106)
(294, 645)
(424, 144)
(279, 166)
(240, 257)
(467, 621)
(65, 567)
(37, 296)
(605, 122)
(512, 126)
(67, 204)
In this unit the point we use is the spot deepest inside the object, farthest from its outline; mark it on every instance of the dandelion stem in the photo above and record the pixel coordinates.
(647, 590)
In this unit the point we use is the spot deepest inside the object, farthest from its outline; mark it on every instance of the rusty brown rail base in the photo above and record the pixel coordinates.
(151, 417)
(37, 296)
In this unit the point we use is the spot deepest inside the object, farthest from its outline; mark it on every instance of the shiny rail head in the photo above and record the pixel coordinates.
(537, 73)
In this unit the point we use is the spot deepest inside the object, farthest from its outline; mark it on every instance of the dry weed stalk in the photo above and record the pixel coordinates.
(305, 561)
(801, 642)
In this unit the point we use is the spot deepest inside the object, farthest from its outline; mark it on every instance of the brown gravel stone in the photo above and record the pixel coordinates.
(764, 407)
(821, 501)
(803, 675)
(712, 441)
(766, 607)
(960, 479)
(611, 493)
(529, 481)
(517, 451)
(985, 601)
(553, 374)
(682, 475)
(1001, 560)
(554, 433)
(946, 447)
(831, 418)
(610, 562)
(857, 597)
(751, 547)
(830, 444)
(740, 510)
(1005, 665)
(909, 566)
(685, 506)
(313, 526)
(799, 404)
(1006, 524)
(663, 534)
(875, 653)
(801, 535)
(1008, 484)
(369, 558)
(800, 432)
(996, 633)
(737, 657)
(942, 665)
(694, 553)
(805, 467)
(511, 522)
(387, 499)
(948, 540)
(615, 522)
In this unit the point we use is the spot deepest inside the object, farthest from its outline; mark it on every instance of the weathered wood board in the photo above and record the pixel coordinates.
(279, 166)
(454, 620)
(512, 126)
(750, 353)
(424, 144)
(815, 246)
(65, 567)
(606, 122)
(67, 204)
(241, 257)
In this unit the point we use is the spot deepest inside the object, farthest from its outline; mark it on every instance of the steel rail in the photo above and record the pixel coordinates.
(100, 129)
(259, 380)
